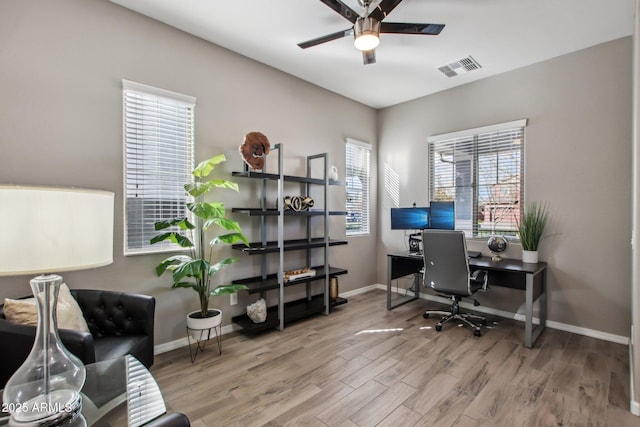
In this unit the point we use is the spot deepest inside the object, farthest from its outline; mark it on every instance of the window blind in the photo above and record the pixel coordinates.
(158, 159)
(482, 171)
(358, 173)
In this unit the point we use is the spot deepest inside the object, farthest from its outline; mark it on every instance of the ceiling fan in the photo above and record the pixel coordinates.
(367, 28)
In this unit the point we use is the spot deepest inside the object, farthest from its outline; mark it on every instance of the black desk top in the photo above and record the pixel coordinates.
(506, 264)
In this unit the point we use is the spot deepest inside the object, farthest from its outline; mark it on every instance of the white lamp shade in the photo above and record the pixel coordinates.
(51, 230)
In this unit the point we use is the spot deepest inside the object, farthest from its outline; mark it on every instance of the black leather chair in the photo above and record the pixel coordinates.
(119, 324)
(446, 270)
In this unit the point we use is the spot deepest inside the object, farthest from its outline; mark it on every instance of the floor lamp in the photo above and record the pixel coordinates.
(46, 231)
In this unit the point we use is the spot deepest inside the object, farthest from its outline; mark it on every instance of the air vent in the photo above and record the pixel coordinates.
(460, 66)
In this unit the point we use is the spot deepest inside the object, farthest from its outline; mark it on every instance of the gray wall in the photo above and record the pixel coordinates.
(61, 67)
(577, 157)
(635, 294)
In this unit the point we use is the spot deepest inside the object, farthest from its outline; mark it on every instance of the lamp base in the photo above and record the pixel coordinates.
(60, 407)
(45, 390)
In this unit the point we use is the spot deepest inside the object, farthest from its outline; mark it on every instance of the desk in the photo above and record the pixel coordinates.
(509, 273)
(116, 392)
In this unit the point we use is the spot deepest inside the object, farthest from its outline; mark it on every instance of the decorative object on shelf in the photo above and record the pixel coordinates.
(51, 230)
(497, 245)
(194, 271)
(333, 173)
(535, 217)
(298, 203)
(298, 274)
(257, 311)
(333, 289)
(255, 146)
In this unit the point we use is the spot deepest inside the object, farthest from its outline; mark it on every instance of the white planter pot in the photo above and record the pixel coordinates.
(195, 322)
(530, 256)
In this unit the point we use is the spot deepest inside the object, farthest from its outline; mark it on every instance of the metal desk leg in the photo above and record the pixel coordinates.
(531, 331)
(416, 286)
(528, 324)
(543, 300)
(389, 283)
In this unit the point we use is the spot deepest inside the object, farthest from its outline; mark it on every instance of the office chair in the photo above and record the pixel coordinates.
(446, 270)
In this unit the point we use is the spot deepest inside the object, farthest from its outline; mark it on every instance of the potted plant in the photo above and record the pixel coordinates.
(530, 228)
(196, 270)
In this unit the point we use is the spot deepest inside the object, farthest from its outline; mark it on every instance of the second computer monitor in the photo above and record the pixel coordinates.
(442, 215)
(416, 218)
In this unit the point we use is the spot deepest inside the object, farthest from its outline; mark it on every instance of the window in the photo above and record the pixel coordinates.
(482, 170)
(158, 159)
(358, 166)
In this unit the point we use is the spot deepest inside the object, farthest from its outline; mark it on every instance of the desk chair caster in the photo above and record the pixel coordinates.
(467, 318)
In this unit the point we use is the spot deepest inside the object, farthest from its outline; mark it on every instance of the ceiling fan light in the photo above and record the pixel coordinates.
(366, 33)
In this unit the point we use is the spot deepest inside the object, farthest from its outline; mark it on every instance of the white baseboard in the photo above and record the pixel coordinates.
(359, 291)
(635, 408)
(183, 342)
(619, 339)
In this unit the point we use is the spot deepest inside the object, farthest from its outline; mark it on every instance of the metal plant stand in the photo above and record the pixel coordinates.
(203, 336)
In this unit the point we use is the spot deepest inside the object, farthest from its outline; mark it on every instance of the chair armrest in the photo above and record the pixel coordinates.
(176, 419)
(18, 341)
(79, 343)
(111, 313)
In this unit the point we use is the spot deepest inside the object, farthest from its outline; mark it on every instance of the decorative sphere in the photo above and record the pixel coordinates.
(497, 244)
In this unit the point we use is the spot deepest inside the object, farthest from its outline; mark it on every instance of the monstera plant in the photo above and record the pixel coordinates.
(195, 270)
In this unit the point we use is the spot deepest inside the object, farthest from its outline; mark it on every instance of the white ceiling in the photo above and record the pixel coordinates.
(501, 35)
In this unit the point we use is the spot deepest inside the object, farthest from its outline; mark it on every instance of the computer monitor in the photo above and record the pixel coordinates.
(443, 215)
(416, 218)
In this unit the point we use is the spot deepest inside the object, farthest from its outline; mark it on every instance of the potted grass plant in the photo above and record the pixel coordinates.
(535, 217)
(196, 270)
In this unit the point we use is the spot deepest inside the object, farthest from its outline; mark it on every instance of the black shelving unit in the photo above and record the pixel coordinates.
(285, 312)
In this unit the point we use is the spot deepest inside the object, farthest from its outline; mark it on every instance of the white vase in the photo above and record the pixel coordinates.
(199, 326)
(333, 173)
(530, 257)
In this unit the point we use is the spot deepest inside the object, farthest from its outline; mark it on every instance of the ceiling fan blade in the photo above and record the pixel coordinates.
(407, 28)
(342, 9)
(369, 56)
(327, 38)
(384, 8)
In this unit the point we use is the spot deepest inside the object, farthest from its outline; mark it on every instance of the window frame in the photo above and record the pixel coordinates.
(479, 140)
(365, 212)
(184, 131)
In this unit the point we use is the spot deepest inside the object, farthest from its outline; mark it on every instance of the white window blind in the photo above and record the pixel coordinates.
(482, 171)
(158, 159)
(358, 171)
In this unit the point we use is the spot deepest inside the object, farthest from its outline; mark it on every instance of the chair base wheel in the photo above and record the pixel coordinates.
(425, 315)
(438, 328)
(477, 332)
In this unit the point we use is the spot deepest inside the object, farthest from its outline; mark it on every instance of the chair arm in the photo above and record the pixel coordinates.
(110, 313)
(18, 341)
(176, 419)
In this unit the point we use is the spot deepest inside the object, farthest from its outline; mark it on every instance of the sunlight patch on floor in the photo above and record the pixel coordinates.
(373, 331)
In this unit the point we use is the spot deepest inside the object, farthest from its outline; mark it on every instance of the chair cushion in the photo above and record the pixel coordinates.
(69, 315)
(113, 346)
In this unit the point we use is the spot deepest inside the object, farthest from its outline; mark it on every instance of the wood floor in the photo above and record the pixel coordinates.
(365, 366)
